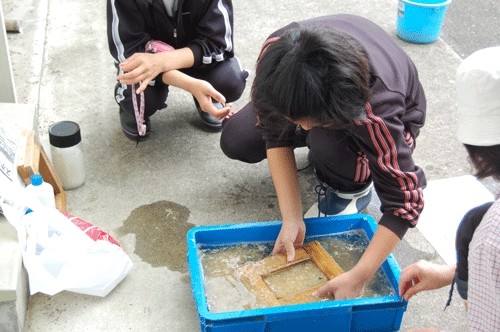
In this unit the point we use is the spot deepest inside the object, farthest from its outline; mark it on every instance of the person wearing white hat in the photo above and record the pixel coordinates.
(477, 272)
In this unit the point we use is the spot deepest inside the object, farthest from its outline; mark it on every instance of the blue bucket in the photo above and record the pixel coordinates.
(420, 21)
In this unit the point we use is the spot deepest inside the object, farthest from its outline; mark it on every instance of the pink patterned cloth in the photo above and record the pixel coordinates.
(156, 46)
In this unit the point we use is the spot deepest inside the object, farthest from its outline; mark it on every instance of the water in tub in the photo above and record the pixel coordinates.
(225, 292)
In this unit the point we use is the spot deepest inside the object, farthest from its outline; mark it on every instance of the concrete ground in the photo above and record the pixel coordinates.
(178, 178)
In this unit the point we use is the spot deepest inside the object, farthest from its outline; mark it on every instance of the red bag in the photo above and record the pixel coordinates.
(94, 232)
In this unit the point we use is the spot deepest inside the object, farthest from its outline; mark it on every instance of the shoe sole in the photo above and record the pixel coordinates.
(210, 125)
(134, 137)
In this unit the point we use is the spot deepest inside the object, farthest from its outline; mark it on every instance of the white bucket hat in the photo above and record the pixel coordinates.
(478, 98)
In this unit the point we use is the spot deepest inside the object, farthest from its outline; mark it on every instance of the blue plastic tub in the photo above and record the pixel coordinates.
(420, 21)
(365, 314)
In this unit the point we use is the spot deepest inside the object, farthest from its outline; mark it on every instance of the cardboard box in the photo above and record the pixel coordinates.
(382, 313)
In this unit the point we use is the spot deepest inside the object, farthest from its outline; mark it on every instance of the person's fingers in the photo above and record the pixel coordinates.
(125, 65)
(408, 277)
(407, 295)
(209, 108)
(131, 77)
(217, 96)
(129, 64)
(223, 112)
(142, 87)
(290, 251)
(278, 248)
(415, 289)
(124, 77)
(404, 288)
(323, 292)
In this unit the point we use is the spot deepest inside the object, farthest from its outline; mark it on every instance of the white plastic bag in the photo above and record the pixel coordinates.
(61, 252)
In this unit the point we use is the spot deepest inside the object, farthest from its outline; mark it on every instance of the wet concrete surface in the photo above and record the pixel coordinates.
(160, 230)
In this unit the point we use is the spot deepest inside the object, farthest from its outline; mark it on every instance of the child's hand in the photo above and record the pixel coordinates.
(422, 276)
(344, 286)
(291, 236)
(206, 94)
(140, 68)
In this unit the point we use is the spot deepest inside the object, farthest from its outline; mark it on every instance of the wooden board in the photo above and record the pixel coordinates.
(32, 159)
(254, 275)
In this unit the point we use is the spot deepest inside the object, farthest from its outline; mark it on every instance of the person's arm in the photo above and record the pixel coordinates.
(424, 276)
(351, 284)
(126, 29)
(213, 40)
(145, 67)
(283, 170)
(399, 184)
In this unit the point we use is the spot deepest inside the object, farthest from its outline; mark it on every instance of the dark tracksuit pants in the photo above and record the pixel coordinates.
(337, 158)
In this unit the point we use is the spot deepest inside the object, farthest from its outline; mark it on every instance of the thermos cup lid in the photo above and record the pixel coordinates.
(64, 134)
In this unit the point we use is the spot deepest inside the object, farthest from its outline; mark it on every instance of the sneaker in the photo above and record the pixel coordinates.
(335, 203)
(129, 127)
(208, 120)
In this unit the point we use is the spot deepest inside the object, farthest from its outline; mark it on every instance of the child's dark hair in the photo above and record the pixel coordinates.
(485, 160)
(316, 73)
